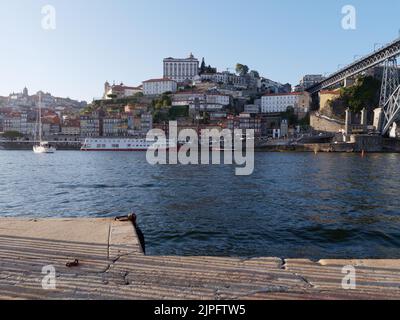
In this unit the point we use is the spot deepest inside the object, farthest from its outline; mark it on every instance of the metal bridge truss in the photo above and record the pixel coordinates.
(391, 111)
(390, 80)
(390, 95)
(390, 91)
(388, 52)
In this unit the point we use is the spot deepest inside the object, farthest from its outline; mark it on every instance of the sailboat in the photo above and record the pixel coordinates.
(42, 146)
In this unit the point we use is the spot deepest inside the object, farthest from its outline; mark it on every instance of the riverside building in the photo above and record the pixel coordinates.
(277, 103)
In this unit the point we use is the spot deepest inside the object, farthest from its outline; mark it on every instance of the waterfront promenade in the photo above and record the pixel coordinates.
(112, 266)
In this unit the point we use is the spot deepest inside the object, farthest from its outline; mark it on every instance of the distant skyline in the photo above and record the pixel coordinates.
(126, 40)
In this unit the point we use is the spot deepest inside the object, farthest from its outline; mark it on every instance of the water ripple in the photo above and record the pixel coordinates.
(294, 205)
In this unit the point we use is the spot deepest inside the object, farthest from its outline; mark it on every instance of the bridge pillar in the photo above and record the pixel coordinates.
(390, 80)
(347, 128)
(393, 131)
(378, 119)
(364, 117)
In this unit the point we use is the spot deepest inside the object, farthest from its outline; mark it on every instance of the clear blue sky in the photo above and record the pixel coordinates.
(126, 40)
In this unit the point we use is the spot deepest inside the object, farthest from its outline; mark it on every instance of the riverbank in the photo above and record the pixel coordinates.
(112, 266)
(359, 143)
(26, 145)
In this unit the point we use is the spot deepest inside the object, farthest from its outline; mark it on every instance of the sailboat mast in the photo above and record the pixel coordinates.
(40, 116)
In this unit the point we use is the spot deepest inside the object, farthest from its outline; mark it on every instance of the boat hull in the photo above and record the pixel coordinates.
(120, 150)
(124, 145)
(40, 149)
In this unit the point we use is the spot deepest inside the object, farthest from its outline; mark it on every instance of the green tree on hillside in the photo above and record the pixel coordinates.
(203, 67)
(364, 94)
(12, 135)
(162, 102)
(290, 116)
(242, 69)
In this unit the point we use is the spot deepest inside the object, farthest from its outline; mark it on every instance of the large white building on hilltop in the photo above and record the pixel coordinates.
(155, 87)
(276, 103)
(181, 70)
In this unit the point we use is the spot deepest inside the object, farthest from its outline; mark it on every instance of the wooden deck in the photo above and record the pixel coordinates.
(112, 266)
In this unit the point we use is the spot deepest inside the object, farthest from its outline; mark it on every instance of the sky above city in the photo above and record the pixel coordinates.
(126, 40)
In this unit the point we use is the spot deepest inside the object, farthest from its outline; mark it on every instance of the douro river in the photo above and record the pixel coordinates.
(294, 205)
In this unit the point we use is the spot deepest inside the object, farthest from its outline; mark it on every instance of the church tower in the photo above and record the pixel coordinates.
(107, 88)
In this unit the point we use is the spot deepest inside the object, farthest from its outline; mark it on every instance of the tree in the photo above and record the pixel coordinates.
(365, 93)
(163, 102)
(203, 66)
(12, 135)
(241, 69)
(178, 112)
(290, 116)
(305, 122)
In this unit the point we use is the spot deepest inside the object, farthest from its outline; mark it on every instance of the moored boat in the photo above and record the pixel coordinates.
(44, 147)
(125, 144)
(41, 146)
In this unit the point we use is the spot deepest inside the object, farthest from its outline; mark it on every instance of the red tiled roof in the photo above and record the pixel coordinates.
(72, 123)
(218, 94)
(283, 94)
(126, 87)
(51, 119)
(158, 80)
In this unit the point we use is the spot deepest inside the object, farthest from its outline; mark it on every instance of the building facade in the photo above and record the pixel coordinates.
(326, 97)
(226, 78)
(146, 122)
(210, 107)
(181, 70)
(188, 98)
(120, 91)
(155, 87)
(71, 129)
(91, 126)
(115, 126)
(277, 103)
(245, 122)
(216, 98)
(252, 109)
(308, 81)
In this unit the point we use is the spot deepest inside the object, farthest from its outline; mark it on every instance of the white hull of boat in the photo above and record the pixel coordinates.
(42, 149)
(124, 144)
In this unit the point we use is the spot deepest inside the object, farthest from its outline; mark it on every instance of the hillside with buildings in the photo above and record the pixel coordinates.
(194, 94)
(19, 113)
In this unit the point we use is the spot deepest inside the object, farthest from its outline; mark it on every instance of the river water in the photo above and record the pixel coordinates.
(295, 205)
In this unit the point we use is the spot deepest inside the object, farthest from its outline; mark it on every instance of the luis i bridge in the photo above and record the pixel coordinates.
(389, 106)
